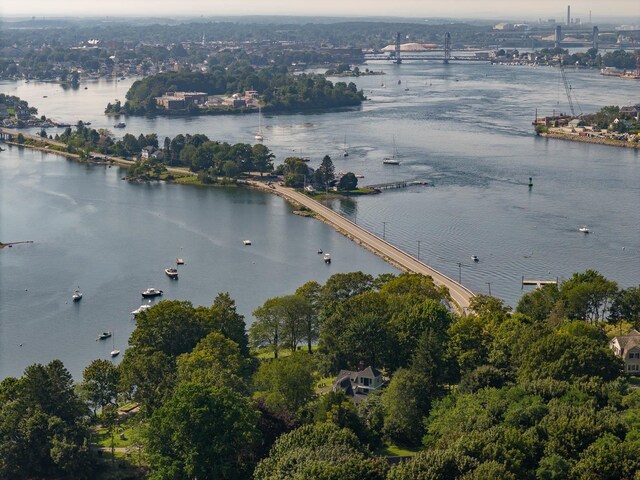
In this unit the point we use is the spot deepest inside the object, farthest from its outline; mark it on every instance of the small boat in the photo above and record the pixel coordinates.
(171, 273)
(246, 242)
(393, 160)
(258, 135)
(77, 296)
(120, 125)
(179, 261)
(140, 309)
(327, 258)
(359, 175)
(345, 152)
(152, 292)
(115, 352)
(319, 251)
(104, 335)
(475, 258)
(584, 229)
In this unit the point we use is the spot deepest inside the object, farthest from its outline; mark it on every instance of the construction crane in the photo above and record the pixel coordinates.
(567, 87)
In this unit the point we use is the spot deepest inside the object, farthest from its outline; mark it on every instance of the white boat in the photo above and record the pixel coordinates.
(77, 295)
(475, 258)
(140, 309)
(115, 352)
(120, 125)
(327, 258)
(152, 292)
(584, 229)
(393, 159)
(345, 152)
(246, 242)
(258, 135)
(172, 273)
(179, 261)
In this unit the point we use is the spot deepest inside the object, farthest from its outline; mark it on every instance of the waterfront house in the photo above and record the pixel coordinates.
(146, 152)
(358, 384)
(627, 347)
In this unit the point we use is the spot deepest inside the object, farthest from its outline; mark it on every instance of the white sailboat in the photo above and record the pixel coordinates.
(345, 152)
(259, 136)
(393, 159)
(115, 352)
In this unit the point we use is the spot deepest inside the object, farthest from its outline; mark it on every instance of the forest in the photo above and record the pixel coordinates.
(531, 394)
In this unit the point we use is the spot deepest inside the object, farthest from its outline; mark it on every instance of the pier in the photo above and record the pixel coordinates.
(460, 295)
(392, 185)
(538, 283)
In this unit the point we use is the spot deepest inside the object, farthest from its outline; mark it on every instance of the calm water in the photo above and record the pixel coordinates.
(466, 128)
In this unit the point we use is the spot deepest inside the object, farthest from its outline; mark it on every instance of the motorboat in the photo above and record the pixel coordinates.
(327, 258)
(319, 251)
(104, 335)
(152, 292)
(172, 273)
(77, 296)
(120, 125)
(246, 242)
(475, 258)
(179, 261)
(584, 229)
(140, 309)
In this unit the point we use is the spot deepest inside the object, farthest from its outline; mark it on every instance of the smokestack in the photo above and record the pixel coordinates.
(568, 15)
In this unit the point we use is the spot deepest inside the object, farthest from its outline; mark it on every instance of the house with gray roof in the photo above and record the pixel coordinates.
(358, 384)
(627, 347)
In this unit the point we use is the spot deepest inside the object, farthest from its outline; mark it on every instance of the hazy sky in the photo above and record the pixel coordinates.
(507, 9)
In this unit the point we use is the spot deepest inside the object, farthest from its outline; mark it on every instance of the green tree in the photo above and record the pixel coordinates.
(325, 173)
(215, 361)
(310, 291)
(286, 384)
(588, 295)
(202, 432)
(322, 452)
(402, 412)
(262, 158)
(348, 182)
(100, 383)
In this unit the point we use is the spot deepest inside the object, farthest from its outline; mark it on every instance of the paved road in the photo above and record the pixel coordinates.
(459, 293)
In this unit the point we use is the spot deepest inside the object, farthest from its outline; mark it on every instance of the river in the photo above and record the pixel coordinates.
(465, 128)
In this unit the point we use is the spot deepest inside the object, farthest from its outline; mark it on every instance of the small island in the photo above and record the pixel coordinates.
(239, 90)
(612, 125)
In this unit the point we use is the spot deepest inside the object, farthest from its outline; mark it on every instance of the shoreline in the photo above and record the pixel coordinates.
(592, 140)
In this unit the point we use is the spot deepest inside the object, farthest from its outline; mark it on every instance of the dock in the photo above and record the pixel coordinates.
(392, 185)
(539, 283)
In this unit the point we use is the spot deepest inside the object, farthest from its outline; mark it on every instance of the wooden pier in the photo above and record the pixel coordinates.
(538, 283)
(392, 185)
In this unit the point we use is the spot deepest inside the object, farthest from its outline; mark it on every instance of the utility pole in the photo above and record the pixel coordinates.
(384, 230)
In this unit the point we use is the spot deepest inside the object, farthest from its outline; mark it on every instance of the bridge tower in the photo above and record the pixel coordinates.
(447, 47)
(595, 36)
(558, 36)
(398, 59)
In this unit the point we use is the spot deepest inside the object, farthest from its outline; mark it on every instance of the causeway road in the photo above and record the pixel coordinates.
(460, 294)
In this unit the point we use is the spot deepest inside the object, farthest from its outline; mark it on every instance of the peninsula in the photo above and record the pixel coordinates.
(612, 126)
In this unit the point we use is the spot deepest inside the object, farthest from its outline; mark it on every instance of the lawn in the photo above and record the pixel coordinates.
(391, 450)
